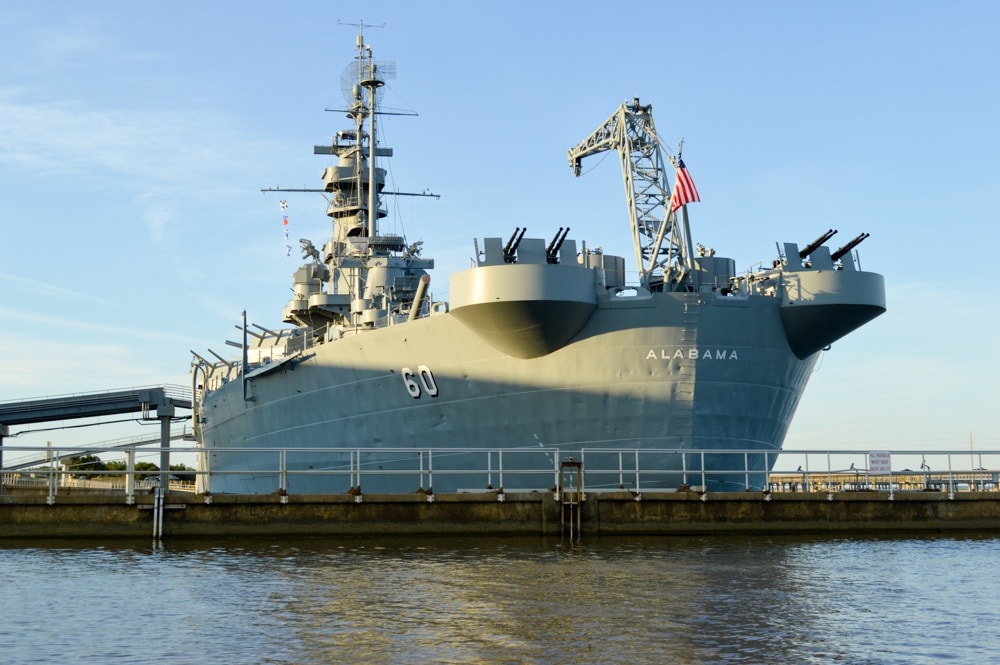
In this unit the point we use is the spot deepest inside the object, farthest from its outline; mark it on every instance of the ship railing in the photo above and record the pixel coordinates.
(446, 470)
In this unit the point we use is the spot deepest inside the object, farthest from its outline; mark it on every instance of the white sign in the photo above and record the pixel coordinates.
(879, 461)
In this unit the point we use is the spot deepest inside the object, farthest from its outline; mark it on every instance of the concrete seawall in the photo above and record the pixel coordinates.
(606, 513)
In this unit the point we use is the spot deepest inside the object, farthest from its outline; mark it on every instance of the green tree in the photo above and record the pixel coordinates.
(182, 472)
(148, 469)
(84, 463)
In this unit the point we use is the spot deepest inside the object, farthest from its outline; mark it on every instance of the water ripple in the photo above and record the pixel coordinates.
(721, 600)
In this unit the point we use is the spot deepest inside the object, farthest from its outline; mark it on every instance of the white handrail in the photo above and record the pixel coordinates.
(607, 469)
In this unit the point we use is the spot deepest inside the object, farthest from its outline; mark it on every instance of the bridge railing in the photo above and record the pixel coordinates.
(171, 390)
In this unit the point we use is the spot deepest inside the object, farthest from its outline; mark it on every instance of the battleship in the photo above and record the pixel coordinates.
(542, 343)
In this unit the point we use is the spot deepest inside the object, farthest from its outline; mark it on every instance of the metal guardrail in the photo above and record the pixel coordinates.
(491, 466)
(793, 470)
(606, 469)
(56, 472)
(33, 456)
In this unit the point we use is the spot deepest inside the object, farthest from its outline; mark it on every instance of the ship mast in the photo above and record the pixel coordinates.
(371, 81)
(361, 280)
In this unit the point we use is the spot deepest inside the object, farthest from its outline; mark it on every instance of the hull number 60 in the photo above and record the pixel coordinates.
(420, 382)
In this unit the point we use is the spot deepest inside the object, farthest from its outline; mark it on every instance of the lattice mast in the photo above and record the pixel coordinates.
(661, 239)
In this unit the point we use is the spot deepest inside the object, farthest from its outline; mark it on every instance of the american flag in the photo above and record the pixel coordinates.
(684, 190)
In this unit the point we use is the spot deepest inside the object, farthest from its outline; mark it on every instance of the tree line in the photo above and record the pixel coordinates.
(84, 464)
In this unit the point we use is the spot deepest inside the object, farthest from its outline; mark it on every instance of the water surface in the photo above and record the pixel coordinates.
(502, 600)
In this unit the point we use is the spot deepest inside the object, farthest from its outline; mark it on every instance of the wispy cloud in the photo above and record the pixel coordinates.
(40, 288)
(56, 44)
(162, 147)
(120, 332)
(161, 159)
(35, 367)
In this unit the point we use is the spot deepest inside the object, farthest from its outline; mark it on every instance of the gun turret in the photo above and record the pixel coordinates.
(811, 247)
(849, 246)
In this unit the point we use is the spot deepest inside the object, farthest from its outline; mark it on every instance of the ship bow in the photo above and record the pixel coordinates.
(820, 307)
(525, 311)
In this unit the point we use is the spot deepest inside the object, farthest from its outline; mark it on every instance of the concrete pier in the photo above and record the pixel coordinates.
(606, 513)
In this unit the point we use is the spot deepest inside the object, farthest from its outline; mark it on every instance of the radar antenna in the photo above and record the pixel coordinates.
(365, 70)
(361, 25)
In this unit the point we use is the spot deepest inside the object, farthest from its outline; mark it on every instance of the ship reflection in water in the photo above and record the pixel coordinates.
(499, 600)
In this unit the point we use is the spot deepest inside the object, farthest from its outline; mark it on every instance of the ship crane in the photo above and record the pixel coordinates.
(661, 238)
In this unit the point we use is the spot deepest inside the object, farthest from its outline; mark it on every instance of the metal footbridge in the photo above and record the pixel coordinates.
(164, 400)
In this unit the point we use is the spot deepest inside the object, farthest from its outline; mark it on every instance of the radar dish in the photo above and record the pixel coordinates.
(358, 71)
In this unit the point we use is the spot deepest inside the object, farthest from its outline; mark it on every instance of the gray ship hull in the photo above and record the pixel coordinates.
(543, 351)
(652, 371)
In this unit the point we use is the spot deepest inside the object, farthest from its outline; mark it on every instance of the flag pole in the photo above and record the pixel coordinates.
(688, 252)
(685, 189)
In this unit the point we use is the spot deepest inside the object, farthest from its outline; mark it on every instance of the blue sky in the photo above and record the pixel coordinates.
(135, 137)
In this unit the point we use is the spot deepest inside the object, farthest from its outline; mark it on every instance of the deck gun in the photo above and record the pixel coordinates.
(815, 244)
(849, 246)
(552, 251)
(510, 249)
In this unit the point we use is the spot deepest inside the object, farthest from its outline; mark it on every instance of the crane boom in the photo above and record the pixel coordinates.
(661, 241)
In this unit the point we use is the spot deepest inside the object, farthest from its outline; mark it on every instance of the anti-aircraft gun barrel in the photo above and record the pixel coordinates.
(552, 251)
(506, 248)
(849, 246)
(510, 249)
(815, 244)
(548, 250)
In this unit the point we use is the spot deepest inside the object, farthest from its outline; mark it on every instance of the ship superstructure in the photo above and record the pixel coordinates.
(543, 342)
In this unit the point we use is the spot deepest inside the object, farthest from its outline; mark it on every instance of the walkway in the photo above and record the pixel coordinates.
(165, 400)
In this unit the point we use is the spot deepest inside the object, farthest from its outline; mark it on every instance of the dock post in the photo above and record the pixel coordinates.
(158, 498)
(130, 475)
(4, 431)
(165, 412)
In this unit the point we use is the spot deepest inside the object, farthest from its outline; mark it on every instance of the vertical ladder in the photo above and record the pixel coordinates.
(682, 418)
(571, 496)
